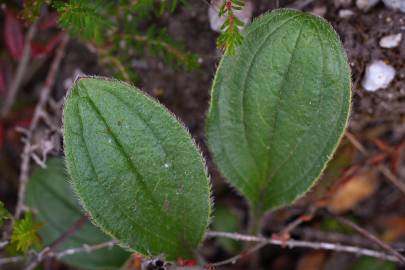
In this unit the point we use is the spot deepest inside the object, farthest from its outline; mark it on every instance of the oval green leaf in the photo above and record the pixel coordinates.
(49, 193)
(135, 168)
(279, 107)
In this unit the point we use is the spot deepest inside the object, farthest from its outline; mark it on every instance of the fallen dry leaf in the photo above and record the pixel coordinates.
(394, 228)
(360, 187)
(312, 260)
(338, 169)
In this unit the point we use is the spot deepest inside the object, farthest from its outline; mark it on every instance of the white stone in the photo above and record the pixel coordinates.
(68, 83)
(319, 11)
(378, 75)
(391, 41)
(245, 15)
(345, 13)
(395, 4)
(366, 5)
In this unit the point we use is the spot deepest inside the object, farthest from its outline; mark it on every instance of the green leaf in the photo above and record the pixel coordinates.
(279, 107)
(135, 168)
(334, 171)
(51, 195)
(4, 214)
(227, 220)
(25, 233)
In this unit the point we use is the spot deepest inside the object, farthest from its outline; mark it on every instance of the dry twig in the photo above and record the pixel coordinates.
(60, 254)
(381, 168)
(84, 248)
(291, 243)
(262, 241)
(26, 155)
(233, 259)
(28, 147)
(8, 260)
(21, 70)
(372, 238)
(311, 234)
(392, 178)
(294, 224)
(49, 249)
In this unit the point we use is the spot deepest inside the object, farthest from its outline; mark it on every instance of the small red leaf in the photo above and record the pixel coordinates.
(13, 35)
(183, 262)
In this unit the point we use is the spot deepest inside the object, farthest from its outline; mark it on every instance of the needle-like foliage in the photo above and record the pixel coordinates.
(25, 233)
(230, 37)
(120, 31)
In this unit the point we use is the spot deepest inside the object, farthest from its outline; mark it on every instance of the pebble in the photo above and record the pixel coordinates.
(345, 13)
(395, 4)
(391, 41)
(245, 15)
(319, 11)
(378, 75)
(68, 83)
(366, 5)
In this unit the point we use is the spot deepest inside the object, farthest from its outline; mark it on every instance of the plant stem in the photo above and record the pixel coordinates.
(372, 238)
(291, 243)
(256, 215)
(55, 244)
(38, 113)
(381, 168)
(21, 70)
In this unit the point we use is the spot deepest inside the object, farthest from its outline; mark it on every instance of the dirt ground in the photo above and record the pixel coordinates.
(379, 114)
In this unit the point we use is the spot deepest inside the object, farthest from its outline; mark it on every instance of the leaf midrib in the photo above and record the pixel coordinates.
(329, 138)
(265, 183)
(247, 182)
(166, 154)
(244, 88)
(320, 94)
(119, 209)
